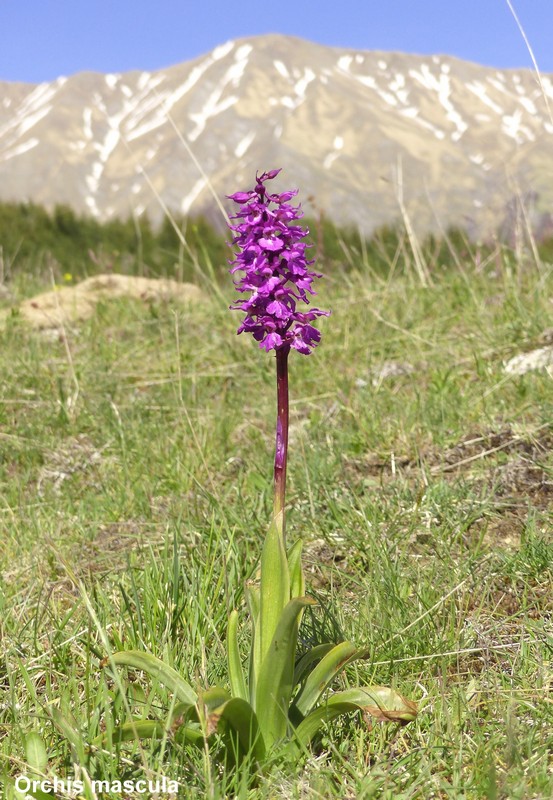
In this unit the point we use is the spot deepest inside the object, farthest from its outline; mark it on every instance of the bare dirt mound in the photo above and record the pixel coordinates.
(68, 304)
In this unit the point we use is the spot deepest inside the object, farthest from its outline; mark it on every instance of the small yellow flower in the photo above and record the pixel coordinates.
(67, 277)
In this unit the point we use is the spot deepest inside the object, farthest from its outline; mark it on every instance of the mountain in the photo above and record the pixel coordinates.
(367, 136)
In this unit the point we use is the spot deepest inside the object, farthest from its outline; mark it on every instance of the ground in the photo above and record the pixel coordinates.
(135, 469)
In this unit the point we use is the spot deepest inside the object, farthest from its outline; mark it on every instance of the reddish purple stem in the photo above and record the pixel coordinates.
(281, 450)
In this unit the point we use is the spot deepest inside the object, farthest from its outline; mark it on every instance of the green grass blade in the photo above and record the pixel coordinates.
(68, 727)
(323, 674)
(237, 717)
(378, 701)
(253, 601)
(276, 676)
(274, 589)
(154, 667)
(313, 655)
(297, 581)
(238, 686)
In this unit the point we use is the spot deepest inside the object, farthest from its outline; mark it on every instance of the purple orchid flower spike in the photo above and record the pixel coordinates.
(276, 274)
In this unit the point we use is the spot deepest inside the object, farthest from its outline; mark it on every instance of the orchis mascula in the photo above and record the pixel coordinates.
(271, 256)
(276, 271)
(278, 699)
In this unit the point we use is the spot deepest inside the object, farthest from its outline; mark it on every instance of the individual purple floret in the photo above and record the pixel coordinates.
(275, 269)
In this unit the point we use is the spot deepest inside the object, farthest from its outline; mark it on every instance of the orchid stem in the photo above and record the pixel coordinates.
(281, 449)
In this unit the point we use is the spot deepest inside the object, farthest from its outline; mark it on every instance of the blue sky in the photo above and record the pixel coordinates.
(42, 39)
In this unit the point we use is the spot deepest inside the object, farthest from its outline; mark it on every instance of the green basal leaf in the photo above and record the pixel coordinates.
(276, 676)
(35, 752)
(312, 724)
(189, 734)
(152, 729)
(297, 582)
(207, 702)
(237, 718)
(274, 589)
(132, 731)
(213, 698)
(323, 674)
(238, 686)
(181, 711)
(154, 667)
(313, 655)
(380, 702)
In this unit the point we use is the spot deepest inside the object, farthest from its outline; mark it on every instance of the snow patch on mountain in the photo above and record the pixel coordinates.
(344, 63)
(398, 87)
(34, 107)
(87, 123)
(112, 80)
(193, 195)
(331, 157)
(222, 50)
(478, 89)
(512, 126)
(441, 85)
(281, 69)
(213, 105)
(24, 147)
(244, 144)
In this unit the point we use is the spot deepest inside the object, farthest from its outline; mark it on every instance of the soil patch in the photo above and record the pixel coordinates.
(69, 304)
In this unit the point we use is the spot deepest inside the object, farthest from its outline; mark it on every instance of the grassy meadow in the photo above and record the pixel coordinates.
(136, 453)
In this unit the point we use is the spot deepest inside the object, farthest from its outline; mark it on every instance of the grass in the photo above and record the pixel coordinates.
(135, 482)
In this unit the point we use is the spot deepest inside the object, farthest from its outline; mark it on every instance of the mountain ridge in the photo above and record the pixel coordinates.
(368, 135)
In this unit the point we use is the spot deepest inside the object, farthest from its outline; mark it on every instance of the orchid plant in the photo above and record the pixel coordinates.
(279, 699)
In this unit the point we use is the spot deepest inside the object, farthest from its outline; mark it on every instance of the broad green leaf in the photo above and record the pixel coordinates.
(297, 582)
(238, 686)
(156, 729)
(313, 655)
(165, 674)
(181, 711)
(133, 731)
(276, 676)
(239, 718)
(274, 588)
(213, 698)
(189, 734)
(380, 702)
(323, 674)
(35, 752)
(312, 724)
(152, 729)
